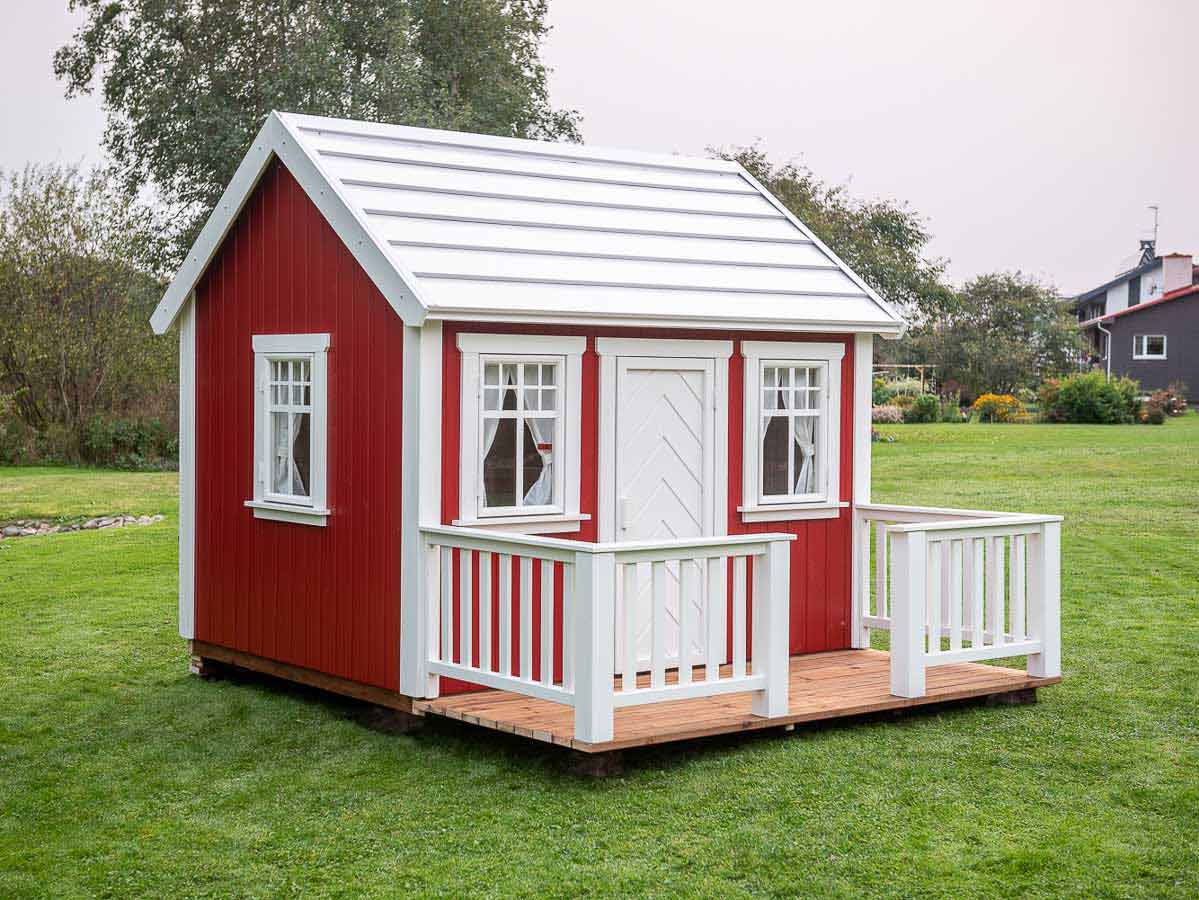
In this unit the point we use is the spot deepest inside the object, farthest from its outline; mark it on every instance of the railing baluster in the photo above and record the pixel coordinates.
(568, 626)
(433, 598)
(631, 588)
(505, 613)
(995, 590)
(688, 593)
(738, 616)
(955, 595)
(977, 587)
(485, 611)
(547, 622)
(447, 602)
(1017, 574)
(526, 618)
(465, 605)
(657, 665)
(935, 587)
(715, 599)
(880, 570)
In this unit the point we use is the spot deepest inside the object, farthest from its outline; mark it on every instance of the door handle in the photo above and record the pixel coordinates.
(622, 513)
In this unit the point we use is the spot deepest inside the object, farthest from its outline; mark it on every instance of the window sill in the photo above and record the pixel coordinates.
(557, 523)
(791, 512)
(280, 512)
(1148, 358)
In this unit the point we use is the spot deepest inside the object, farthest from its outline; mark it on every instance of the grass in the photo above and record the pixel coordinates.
(59, 493)
(122, 775)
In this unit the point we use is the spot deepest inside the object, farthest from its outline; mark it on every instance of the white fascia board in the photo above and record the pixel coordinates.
(277, 139)
(850, 273)
(465, 314)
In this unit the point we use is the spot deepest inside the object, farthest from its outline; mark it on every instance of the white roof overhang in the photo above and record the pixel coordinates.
(462, 226)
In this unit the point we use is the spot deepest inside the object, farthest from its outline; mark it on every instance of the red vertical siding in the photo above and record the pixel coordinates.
(323, 598)
(820, 557)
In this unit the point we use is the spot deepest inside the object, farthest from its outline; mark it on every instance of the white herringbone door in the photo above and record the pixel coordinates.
(664, 477)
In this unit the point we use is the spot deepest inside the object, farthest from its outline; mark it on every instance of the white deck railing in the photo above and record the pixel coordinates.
(540, 616)
(955, 585)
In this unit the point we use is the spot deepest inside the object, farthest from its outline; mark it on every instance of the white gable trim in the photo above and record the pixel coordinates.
(277, 139)
(850, 273)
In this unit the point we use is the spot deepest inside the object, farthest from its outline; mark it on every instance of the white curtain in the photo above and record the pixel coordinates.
(280, 482)
(805, 441)
(298, 487)
(542, 491)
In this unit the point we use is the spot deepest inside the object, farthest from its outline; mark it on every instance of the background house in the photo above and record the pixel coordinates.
(1131, 323)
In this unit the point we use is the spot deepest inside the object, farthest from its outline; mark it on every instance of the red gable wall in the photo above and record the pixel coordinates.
(322, 598)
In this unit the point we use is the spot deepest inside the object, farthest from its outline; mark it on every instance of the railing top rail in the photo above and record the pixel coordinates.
(518, 541)
(1010, 521)
(881, 510)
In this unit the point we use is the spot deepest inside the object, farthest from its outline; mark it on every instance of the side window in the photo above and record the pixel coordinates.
(520, 431)
(1149, 346)
(792, 428)
(290, 436)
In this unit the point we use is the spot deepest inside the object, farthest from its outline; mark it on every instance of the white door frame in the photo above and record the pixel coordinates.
(610, 351)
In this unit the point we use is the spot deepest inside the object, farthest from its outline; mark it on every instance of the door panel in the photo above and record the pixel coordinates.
(664, 478)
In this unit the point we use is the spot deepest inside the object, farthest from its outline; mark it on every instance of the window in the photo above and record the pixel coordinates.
(521, 427)
(290, 427)
(792, 434)
(791, 410)
(520, 442)
(1134, 290)
(1149, 346)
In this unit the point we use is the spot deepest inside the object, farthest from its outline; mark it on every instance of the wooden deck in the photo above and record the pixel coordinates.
(823, 686)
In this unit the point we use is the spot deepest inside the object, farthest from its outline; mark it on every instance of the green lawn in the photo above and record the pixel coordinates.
(121, 775)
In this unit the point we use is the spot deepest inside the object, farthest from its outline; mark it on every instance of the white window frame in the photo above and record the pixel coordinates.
(567, 353)
(313, 509)
(1143, 340)
(825, 502)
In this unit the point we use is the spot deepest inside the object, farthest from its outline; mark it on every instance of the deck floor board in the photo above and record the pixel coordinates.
(824, 686)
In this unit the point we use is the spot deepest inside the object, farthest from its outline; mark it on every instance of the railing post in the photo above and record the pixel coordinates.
(772, 604)
(859, 634)
(1045, 601)
(594, 624)
(909, 561)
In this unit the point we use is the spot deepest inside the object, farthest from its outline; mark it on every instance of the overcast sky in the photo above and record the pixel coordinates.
(1031, 135)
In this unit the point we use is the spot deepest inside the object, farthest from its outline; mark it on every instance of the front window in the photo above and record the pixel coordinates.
(792, 434)
(792, 405)
(520, 439)
(1149, 346)
(520, 429)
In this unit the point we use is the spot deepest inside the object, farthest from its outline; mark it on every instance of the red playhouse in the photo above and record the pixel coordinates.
(565, 442)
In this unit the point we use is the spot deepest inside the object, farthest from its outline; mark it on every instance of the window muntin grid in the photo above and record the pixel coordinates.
(289, 417)
(521, 428)
(792, 405)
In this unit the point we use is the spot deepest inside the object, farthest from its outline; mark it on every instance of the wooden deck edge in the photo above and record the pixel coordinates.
(369, 693)
(1015, 682)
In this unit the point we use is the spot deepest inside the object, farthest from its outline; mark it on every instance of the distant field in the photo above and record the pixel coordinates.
(120, 775)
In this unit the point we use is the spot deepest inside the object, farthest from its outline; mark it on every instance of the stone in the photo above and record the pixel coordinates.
(12, 530)
(157, 518)
(91, 523)
(105, 523)
(144, 520)
(27, 532)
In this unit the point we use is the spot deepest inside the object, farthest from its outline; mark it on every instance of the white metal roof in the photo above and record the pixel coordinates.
(455, 226)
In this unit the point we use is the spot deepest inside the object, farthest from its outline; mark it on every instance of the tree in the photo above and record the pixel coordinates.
(187, 85)
(77, 261)
(1007, 331)
(882, 241)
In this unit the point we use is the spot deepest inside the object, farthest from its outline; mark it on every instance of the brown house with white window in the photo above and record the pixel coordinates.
(1136, 326)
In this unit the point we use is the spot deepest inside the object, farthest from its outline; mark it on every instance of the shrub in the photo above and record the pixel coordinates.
(951, 409)
(886, 415)
(924, 408)
(1153, 414)
(1090, 398)
(909, 387)
(998, 408)
(128, 444)
(880, 392)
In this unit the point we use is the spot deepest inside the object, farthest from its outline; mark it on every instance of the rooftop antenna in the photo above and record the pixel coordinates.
(1149, 246)
(1154, 207)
